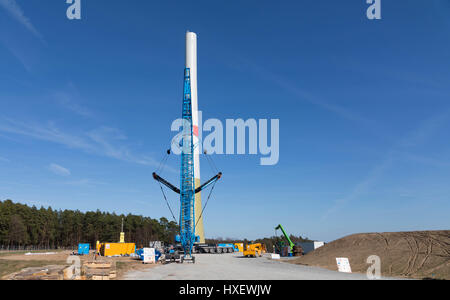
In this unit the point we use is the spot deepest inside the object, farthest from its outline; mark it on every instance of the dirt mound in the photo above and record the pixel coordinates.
(419, 254)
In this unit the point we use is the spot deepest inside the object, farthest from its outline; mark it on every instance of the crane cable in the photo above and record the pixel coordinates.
(211, 162)
(214, 169)
(160, 169)
(163, 162)
(204, 207)
(167, 202)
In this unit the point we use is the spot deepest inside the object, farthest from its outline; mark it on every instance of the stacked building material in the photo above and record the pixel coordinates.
(99, 270)
(39, 273)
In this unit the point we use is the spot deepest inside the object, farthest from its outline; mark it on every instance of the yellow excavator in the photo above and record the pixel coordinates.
(254, 250)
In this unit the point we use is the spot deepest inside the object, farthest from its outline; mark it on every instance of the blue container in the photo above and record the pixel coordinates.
(83, 249)
(140, 253)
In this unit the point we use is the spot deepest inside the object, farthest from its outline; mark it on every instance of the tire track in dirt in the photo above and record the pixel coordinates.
(424, 254)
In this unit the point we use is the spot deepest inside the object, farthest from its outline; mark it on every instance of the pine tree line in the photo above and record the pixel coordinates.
(23, 226)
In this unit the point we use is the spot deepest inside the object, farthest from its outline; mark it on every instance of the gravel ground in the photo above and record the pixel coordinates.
(236, 267)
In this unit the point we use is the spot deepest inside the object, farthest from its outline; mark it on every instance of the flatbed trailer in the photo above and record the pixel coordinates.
(213, 249)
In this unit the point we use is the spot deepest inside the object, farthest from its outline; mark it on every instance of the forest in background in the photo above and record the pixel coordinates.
(22, 226)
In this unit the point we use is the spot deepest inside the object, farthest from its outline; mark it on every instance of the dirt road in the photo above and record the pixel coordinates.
(235, 267)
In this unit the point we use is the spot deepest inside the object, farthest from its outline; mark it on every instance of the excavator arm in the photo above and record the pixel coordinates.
(291, 244)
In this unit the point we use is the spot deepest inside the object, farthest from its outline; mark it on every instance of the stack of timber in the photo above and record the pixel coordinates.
(39, 273)
(99, 270)
(96, 270)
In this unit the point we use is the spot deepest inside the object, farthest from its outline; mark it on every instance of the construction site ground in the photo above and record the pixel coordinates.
(418, 254)
(403, 255)
(11, 262)
(237, 267)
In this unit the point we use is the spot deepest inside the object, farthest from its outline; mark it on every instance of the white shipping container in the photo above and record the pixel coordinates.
(310, 246)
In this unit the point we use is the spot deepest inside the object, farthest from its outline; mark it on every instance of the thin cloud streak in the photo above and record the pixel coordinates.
(425, 130)
(17, 13)
(17, 53)
(429, 161)
(59, 170)
(102, 141)
(418, 136)
(306, 96)
(47, 133)
(66, 100)
(362, 187)
(86, 182)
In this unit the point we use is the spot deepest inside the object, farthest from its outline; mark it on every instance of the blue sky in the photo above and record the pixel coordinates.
(364, 109)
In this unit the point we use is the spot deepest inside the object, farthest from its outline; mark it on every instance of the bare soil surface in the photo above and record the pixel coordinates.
(58, 256)
(11, 262)
(419, 254)
(236, 267)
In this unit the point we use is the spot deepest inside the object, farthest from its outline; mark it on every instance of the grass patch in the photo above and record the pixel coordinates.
(120, 265)
(11, 266)
(9, 253)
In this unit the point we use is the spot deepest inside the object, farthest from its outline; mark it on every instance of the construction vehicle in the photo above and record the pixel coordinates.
(254, 250)
(173, 254)
(291, 244)
(294, 250)
(214, 249)
(238, 247)
(226, 248)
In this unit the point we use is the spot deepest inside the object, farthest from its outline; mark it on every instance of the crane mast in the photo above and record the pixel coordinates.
(187, 191)
(190, 215)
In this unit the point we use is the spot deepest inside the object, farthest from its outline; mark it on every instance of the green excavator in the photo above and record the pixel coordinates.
(295, 250)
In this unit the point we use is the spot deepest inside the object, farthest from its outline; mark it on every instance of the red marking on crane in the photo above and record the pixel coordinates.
(196, 131)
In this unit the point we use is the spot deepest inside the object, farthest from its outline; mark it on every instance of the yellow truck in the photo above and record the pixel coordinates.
(238, 247)
(254, 250)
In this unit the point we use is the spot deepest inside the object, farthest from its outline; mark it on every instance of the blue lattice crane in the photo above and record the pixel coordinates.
(187, 220)
(187, 194)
